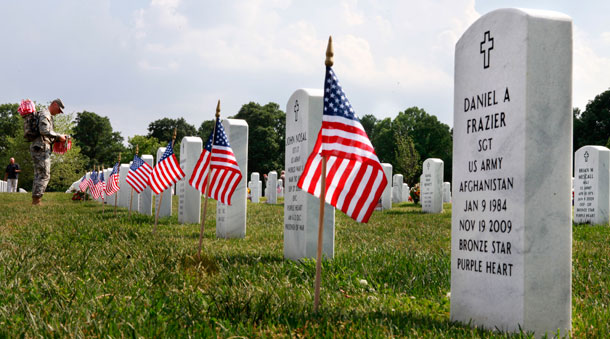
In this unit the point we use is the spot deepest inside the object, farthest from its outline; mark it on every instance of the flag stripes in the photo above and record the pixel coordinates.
(84, 183)
(354, 177)
(167, 172)
(139, 174)
(225, 173)
(113, 181)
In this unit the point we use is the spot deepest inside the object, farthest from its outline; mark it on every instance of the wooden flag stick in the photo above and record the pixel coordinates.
(161, 195)
(103, 196)
(207, 184)
(116, 194)
(316, 303)
(131, 194)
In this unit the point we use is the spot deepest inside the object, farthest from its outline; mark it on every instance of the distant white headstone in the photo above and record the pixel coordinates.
(145, 206)
(405, 192)
(189, 198)
(280, 188)
(511, 232)
(446, 192)
(166, 204)
(272, 185)
(125, 188)
(21, 190)
(592, 185)
(301, 209)
(231, 220)
(397, 188)
(255, 190)
(386, 196)
(432, 186)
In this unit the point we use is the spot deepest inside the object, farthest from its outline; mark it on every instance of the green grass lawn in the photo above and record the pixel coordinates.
(66, 269)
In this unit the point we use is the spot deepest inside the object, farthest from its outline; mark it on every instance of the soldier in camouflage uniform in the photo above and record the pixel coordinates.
(41, 148)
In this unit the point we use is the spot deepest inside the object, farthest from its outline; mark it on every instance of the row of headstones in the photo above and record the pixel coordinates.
(230, 220)
(4, 187)
(255, 186)
(401, 191)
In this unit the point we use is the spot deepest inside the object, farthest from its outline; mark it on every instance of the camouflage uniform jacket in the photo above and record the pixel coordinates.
(47, 132)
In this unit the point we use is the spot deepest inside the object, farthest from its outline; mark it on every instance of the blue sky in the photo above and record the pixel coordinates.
(137, 61)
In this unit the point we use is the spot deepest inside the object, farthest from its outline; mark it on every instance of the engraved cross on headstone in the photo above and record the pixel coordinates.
(486, 46)
(586, 155)
(296, 110)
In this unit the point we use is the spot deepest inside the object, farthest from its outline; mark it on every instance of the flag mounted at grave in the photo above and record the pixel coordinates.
(84, 183)
(167, 172)
(354, 177)
(113, 180)
(218, 156)
(101, 184)
(95, 192)
(139, 174)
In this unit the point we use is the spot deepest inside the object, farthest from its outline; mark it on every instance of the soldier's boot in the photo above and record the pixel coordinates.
(36, 201)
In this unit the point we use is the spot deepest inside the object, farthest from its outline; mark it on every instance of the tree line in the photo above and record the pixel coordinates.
(404, 141)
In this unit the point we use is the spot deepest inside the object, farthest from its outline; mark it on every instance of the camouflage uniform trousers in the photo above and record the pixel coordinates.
(42, 169)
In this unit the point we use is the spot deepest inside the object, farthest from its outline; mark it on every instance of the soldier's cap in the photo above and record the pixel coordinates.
(59, 103)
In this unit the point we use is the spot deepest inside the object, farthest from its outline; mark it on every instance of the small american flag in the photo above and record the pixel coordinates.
(95, 192)
(139, 174)
(225, 175)
(101, 185)
(113, 181)
(167, 172)
(354, 176)
(84, 183)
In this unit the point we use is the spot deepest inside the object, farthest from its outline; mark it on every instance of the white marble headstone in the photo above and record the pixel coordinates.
(125, 187)
(280, 188)
(432, 186)
(511, 232)
(166, 204)
(397, 188)
(189, 198)
(255, 190)
(592, 185)
(446, 192)
(272, 187)
(231, 220)
(301, 209)
(134, 197)
(145, 206)
(386, 196)
(405, 192)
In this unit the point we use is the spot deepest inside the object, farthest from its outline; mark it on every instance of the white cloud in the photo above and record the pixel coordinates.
(591, 70)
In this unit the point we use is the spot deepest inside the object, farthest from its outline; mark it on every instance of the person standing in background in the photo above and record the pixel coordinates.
(12, 173)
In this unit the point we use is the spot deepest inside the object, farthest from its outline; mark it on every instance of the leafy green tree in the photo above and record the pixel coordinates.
(432, 138)
(96, 139)
(383, 141)
(10, 124)
(146, 145)
(205, 130)
(368, 122)
(267, 134)
(592, 127)
(163, 129)
(66, 169)
(407, 159)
